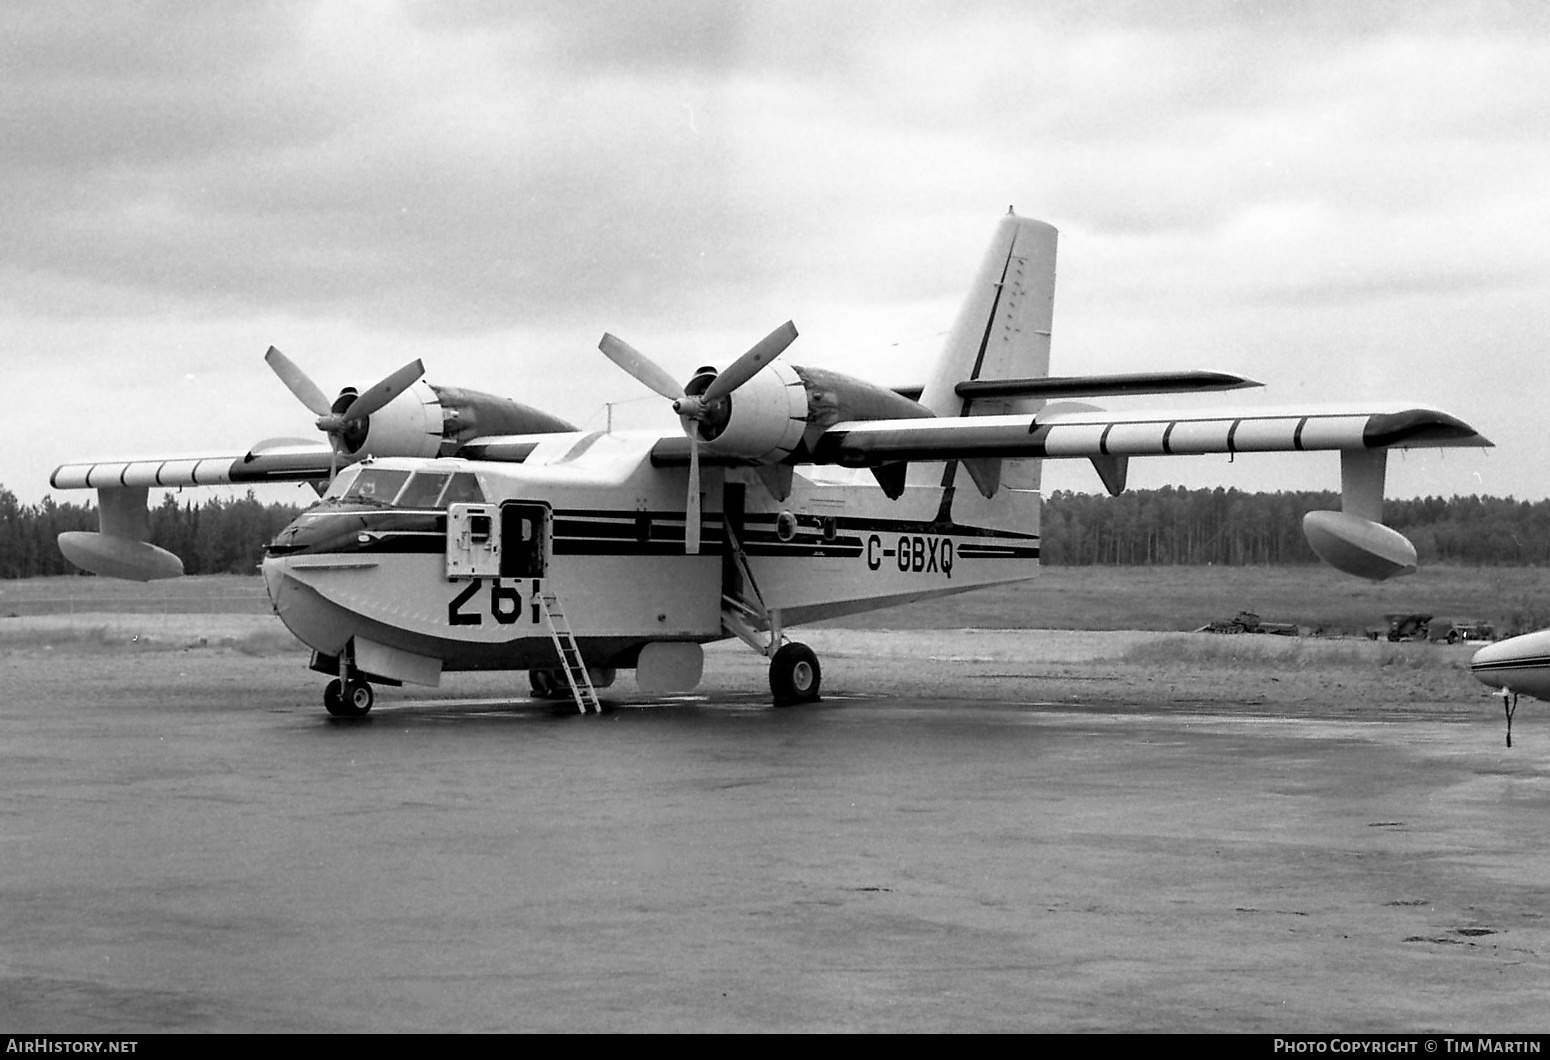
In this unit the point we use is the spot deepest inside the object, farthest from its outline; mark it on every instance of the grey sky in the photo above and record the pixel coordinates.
(1345, 205)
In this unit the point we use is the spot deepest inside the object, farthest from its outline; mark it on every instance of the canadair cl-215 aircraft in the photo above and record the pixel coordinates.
(575, 554)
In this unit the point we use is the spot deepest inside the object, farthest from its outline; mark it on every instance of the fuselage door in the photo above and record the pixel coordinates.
(473, 541)
(526, 533)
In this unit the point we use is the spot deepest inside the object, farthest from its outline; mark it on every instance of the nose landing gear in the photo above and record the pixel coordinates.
(351, 698)
(348, 699)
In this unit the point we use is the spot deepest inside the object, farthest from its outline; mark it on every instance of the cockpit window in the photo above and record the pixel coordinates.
(423, 489)
(463, 489)
(404, 489)
(342, 482)
(377, 484)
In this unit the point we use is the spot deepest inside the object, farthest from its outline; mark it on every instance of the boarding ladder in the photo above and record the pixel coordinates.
(581, 690)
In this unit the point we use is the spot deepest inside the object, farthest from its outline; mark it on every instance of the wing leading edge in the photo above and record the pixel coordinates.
(287, 462)
(1063, 433)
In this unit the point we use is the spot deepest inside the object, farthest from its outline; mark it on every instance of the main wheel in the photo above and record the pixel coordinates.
(795, 675)
(333, 699)
(544, 683)
(358, 698)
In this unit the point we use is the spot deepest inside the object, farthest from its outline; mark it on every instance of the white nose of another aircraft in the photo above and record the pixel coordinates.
(1518, 664)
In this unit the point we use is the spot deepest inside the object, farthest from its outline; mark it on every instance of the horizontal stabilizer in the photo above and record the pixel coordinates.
(1125, 383)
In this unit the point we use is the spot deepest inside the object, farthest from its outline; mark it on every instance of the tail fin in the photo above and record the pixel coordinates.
(1002, 332)
(1003, 329)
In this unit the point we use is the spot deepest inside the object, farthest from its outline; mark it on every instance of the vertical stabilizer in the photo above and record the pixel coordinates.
(1002, 332)
(1003, 329)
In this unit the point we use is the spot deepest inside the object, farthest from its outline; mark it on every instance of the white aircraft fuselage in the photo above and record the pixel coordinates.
(587, 517)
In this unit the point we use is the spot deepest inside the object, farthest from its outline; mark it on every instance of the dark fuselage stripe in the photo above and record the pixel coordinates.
(1507, 665)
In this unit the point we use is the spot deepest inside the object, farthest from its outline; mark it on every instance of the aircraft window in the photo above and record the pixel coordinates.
(342, 482)
(463, 489)
(422, 490)
(377, 484)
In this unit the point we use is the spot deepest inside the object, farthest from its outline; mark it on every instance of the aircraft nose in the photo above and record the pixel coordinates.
(1521, 664)
(274, 575)
(1481, 665)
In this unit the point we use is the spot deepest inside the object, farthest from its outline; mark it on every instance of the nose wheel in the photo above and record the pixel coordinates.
(348, 699)
(795, 675)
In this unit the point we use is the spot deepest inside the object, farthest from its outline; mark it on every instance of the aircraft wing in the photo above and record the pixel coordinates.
(277, 461)
(1067, 431)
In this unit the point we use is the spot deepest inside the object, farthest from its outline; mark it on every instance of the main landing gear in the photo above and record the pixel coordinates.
(548, 684)
(348, 699)
(795, 675)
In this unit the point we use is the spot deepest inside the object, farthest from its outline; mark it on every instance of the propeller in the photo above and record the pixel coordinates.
(337, 418)
(707, 404)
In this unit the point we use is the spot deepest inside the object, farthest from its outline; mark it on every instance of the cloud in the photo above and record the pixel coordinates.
(1236, 184)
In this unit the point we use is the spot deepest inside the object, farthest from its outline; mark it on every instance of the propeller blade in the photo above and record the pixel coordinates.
(297, 383)
(692, 506)
(371, 400)
(640, 366)
(747, 366)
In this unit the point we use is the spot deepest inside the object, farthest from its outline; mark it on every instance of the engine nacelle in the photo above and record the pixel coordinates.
(763, 421)
(469, 414)
(410, 425)
(1359, 546)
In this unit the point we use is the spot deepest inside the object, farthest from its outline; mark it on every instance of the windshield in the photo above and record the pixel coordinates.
(378, 485)
(423, 489)
(404, 489)
(342, 481)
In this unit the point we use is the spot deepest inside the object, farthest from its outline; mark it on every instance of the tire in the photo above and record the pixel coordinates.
(333, 699)
(795, 675)
(358, 699)
(543, 684)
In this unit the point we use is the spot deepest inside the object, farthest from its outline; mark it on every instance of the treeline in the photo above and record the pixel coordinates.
(1171, 526)
(220, 536)
(1167, 526)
